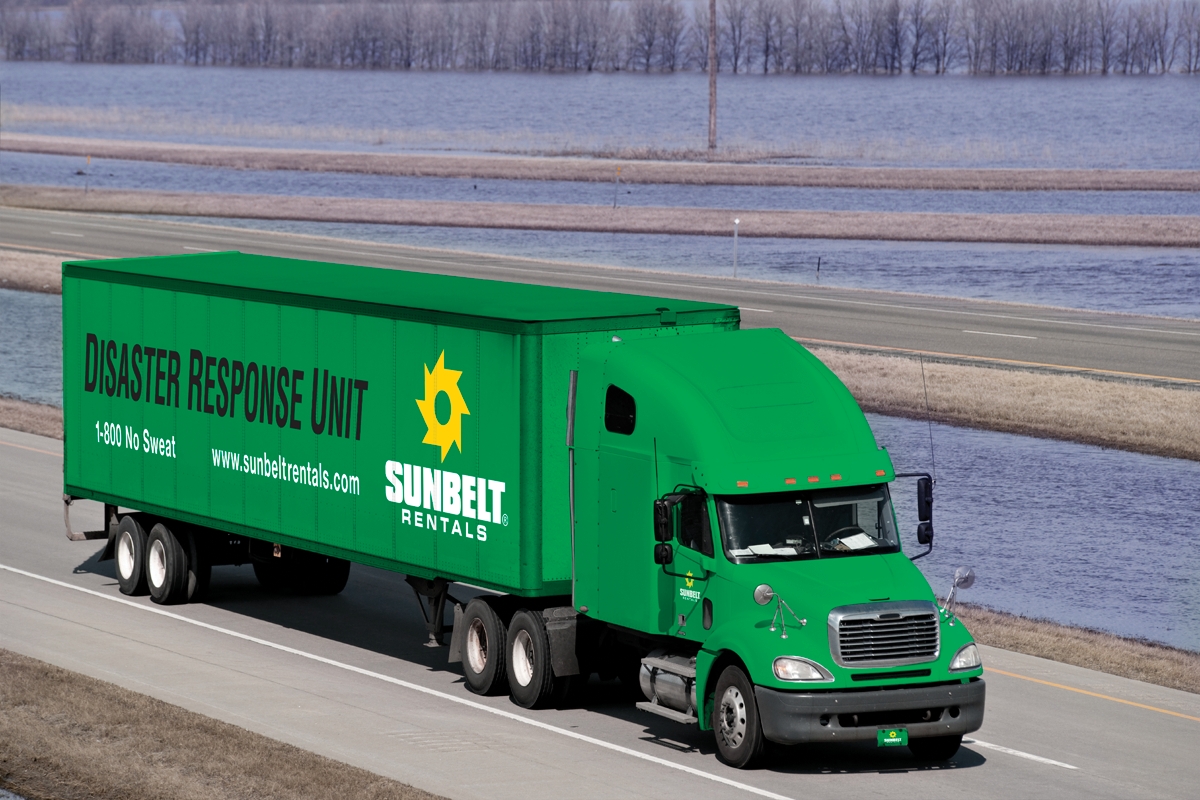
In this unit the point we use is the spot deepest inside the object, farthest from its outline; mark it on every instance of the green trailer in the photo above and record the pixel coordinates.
(647, 492)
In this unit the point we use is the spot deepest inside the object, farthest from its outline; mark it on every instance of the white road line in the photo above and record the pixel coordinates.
(1018, 753)
(64, 233)
(407, 685)
(759, 310)
(200, 249)
(1005, 335)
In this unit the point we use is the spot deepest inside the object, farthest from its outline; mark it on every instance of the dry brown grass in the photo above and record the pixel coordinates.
(66, 736)
(1129, 658)
(638, 165)
(1079, 229)
(1110, 413)
(19, 415)
(30, 271)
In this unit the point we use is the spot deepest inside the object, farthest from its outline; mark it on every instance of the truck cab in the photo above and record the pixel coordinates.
(734, 516)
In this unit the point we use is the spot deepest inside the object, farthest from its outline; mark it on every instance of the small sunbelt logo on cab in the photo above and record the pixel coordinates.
(437, 433)
(688, 580)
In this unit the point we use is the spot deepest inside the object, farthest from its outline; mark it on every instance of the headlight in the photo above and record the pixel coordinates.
(966, 658)
(792, 668)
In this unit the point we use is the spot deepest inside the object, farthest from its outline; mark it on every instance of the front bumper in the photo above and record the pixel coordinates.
(945, 710)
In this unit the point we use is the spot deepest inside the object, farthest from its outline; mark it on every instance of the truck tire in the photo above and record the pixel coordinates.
(166, 566)
(530, 676)
(735, 719)
(199, 571)
(935, 748)
(130, 559)
(271, 575)
(484, 648)
(327, 575)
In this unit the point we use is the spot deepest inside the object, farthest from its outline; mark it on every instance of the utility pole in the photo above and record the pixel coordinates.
(712, 78)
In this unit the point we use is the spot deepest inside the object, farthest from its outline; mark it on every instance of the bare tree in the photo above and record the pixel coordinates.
(735, 16)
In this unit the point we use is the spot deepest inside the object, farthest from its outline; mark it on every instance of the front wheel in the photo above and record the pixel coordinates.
(936, 748)
(735, 720)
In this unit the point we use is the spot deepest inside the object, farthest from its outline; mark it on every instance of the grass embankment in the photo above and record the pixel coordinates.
(32, 271)
(637, 166)
(1075, 229)
(1100, 410)
(1136, 659)
(65, 736)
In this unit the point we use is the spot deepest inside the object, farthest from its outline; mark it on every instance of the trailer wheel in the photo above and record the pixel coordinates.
(530, 676)
(935, 748)
(199, 563)
(166, 566)
(327, 576)
(484, 648)
(735, 719)
(131, 557)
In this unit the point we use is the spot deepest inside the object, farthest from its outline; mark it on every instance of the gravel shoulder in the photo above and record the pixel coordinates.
(1070, 229)
(633, 170)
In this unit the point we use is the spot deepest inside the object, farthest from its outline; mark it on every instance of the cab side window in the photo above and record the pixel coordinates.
(620, 412)
(692, 524)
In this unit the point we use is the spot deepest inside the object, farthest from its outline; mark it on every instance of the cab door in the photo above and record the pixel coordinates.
(691, 569)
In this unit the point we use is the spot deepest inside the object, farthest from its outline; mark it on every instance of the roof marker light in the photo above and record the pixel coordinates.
(743, 484)
(835, 476)
(813, 479)
(789, 481)
(879, 473)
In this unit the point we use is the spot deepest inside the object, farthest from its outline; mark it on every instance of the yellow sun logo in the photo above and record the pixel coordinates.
(443, 380)
(688, 580)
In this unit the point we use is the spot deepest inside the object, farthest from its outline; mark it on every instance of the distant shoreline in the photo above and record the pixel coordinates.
(641, 166)
(1065, 229)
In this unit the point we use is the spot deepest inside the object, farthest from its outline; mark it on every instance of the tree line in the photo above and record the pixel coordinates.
(979, 37)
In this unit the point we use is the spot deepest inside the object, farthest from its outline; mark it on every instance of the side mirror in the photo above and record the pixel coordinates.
(663, 554)
(925, 533)
(925, 501)
(662, 522)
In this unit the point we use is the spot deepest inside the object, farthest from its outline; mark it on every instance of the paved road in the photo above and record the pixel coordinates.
(348, 677)
(1028, 336)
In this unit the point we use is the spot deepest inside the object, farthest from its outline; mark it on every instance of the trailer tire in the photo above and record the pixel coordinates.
(530, 675)
(484, 649)
(166, 566)
(328, 576)
(130, 551)
(199, 571)
(271, 575)
(936, 748)
(735, 719)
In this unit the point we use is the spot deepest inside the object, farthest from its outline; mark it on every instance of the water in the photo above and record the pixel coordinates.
(1141, 280)
(1101, 122)
(31, 346)
(25, 168)
(1070, 532)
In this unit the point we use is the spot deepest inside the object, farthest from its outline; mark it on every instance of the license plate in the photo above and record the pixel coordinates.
(892, 737)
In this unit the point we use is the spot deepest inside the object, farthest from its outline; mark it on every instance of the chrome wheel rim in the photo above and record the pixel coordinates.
(125, 555)
(732, 717)
(157, 563)
(522, 658)
(477, 646)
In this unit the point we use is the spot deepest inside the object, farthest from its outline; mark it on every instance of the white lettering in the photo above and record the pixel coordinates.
(481, 533)
(482, 511)
(395, 490)
(433, 489)
(412, 485)
(451, 502)
(497, 488)
(406, 516)
(468, 497)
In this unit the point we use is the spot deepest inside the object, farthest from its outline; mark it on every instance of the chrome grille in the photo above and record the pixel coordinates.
(884, 634)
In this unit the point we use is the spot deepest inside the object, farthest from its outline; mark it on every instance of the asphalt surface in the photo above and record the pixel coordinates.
(350, 678)
(1033, 337)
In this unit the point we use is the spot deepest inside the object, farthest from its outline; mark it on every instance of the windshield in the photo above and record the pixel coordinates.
(789, 526)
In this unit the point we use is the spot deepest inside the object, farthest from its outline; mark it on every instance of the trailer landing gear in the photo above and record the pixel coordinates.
(433, 606)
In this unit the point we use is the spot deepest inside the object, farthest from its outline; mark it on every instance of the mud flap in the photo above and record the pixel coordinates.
(456, 636)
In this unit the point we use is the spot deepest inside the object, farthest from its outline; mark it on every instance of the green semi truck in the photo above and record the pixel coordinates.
(648, 492)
